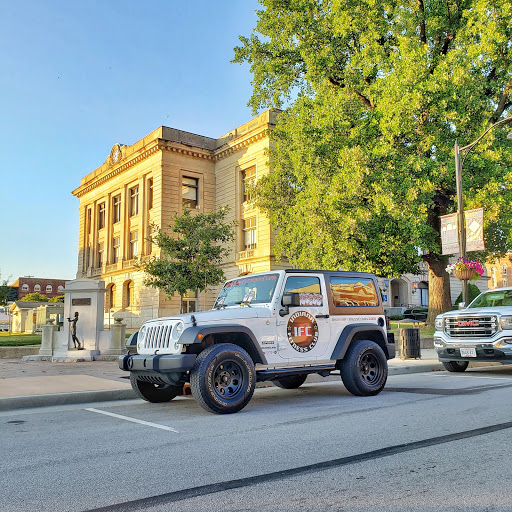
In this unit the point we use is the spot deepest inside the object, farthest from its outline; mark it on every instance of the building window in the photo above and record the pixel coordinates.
(149, 240)
(504, 282)
(111, 297)
(49, 288)
(60, 288)
(150, 193)
(190, 192)
(190, 302)
(37, 288)
(101, 215)
(248, 177)
(116, 249)
(134, 201)
(134, 244)
(101, 250)
(24, 287)
(116, 209)
(128, 288)
(249, 233)
(504, 270)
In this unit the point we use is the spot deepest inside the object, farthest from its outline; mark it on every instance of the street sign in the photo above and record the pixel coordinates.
(474, 232)
(449, 236)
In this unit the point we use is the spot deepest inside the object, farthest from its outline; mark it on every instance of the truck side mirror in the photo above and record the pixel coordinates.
(462, 305)
(289, 299)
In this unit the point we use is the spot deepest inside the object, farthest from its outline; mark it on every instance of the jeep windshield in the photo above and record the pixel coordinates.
(493, 298)
(247, 291)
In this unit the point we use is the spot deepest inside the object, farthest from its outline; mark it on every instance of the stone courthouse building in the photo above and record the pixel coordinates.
(143, 184)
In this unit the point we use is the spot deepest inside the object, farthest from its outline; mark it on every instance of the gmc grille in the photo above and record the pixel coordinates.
(158, 337)
(471, 326)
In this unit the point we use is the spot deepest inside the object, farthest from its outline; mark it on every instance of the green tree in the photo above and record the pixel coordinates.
(35, 297)
(191, 253)
(59, 298)
(376, 93)
(4, 293)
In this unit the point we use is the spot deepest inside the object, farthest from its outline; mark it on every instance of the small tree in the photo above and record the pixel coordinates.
(190, 253)
(59, 298)
(4, 293)
(35, 297)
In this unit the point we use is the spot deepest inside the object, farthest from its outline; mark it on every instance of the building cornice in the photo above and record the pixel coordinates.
(236, 145)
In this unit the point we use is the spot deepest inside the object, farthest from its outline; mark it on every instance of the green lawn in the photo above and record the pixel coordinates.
(424, 330)
(14, 340)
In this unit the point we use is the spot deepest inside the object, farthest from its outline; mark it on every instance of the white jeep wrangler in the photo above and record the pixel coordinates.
(275, 326)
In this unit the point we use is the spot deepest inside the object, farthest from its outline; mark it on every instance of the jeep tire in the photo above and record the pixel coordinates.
(456, 366)
(291, 381)
(223, 378)
(364, 369)
(155, 393)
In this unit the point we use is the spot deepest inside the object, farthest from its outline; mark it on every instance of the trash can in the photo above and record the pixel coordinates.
(410, 343)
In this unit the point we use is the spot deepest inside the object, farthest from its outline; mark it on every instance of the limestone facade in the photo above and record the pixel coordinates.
(142, 184)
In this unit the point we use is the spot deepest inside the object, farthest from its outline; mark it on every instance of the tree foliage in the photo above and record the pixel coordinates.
(58, 298)
(4, 293)
(35, 297)
(191, 253)
(376, 93)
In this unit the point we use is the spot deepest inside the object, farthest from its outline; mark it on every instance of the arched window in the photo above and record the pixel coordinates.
(128, 297)
(37, 288)
(49, 288)
(110, 299)
(60, 288)
(25, 288)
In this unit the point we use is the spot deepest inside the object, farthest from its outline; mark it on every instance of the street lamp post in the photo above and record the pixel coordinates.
(460, 205)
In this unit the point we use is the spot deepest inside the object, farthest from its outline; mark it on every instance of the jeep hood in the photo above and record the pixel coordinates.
(230, 315)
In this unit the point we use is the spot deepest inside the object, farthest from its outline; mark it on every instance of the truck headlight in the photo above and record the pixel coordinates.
(439, 323)
(506, 322)
(177, 331)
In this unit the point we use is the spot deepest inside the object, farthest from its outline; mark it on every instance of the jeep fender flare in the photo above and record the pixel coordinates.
(370, 332)
(236, 334)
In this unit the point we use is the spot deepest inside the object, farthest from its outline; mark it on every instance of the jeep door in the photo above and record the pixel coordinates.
(303, 331)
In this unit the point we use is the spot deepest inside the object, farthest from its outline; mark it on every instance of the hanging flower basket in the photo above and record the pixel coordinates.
(468, 274)
(465, 270)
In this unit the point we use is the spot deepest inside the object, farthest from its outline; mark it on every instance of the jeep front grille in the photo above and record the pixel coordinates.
(158, 337)
(471, 326)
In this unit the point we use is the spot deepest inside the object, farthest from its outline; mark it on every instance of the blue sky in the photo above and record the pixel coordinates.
(78, 76)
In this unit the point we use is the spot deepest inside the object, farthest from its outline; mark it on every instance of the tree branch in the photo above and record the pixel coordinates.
(423, 32)
(503, 103)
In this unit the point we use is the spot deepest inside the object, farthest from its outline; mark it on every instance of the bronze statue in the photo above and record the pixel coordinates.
(72, 326)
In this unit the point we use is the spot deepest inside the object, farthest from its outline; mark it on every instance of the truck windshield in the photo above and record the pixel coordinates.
(247, 290)
(494, 298)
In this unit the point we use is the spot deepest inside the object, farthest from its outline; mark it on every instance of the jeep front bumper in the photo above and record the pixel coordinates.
(179, 363)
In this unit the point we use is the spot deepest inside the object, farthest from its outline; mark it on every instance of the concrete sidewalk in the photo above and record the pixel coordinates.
(42, 383)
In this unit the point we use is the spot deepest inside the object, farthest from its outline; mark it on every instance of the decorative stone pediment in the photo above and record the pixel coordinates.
(116, 154)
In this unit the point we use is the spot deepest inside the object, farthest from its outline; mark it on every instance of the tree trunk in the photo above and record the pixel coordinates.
(439, 297)
(181, 304)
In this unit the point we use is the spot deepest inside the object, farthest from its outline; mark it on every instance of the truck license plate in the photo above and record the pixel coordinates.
(468, 352)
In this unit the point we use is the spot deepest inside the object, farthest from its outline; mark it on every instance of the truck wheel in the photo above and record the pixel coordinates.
(290, 382)
(223, 378)
(155, 393)
(456, 366)
(364, 370)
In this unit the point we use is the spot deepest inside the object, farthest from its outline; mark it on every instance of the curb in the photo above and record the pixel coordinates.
(18, 352)
(24, 402)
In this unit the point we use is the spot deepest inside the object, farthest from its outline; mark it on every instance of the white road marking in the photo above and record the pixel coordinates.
(133, 420)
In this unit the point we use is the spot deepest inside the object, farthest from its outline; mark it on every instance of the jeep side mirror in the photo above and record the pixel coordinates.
(289, 299)
(462, 305)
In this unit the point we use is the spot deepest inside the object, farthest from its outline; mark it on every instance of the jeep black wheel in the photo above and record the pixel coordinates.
(155, 393)
(364, 370)
(290, 382)
(456, 366)
(223, 378)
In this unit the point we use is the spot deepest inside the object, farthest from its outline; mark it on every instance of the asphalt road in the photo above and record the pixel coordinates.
(430, 441)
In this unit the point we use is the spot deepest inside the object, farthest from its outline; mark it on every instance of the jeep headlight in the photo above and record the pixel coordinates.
(506, 322)
(141, 336)
(439, 323)
(177, 331)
